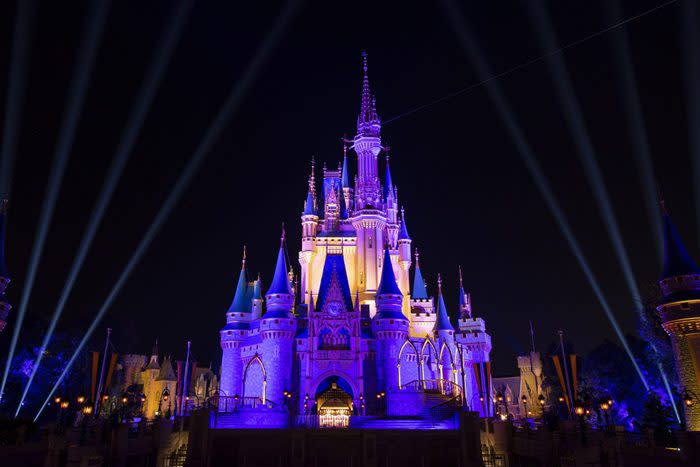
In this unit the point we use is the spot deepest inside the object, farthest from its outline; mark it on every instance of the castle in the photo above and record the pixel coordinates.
(353, 337)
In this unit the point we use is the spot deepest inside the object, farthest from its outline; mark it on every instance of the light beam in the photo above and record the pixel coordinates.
(212, 134)
(528, 157)
(94, 27)
(16, 88)
(635, 123)
(577, 127)
(161, 58)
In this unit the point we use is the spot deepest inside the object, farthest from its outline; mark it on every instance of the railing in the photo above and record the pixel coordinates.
(446, 409)
(224, 404)
(438, 386)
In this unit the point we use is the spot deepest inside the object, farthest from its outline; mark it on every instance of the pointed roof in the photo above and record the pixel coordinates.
(309, 205)
(419, 292)
(403, 232)
(280, 281)
(153, 361)
(345, 177)
(462, 295)
(368, 120)
(3, 221)
(442, 323)
(388, 183)
(334, 283)
(257, 289)
(241, 299)
(166, 371)
(387, 284)
(677, 261)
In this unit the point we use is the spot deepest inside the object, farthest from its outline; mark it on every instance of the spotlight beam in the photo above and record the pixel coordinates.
(635, 122)
(577, 127)
(94, 27)
(475, 56)
(218, 125)
(162, 56)
(692, 85)
(16, 90)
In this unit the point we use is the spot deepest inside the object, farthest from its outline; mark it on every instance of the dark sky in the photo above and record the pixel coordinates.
(468, 198)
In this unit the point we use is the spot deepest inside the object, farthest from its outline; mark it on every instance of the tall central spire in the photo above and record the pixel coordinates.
(368, 145)
(368, 121)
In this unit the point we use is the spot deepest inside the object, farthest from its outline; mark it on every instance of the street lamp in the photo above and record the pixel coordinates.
(580, 411)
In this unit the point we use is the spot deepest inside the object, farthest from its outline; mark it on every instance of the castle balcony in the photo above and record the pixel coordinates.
(334, 354)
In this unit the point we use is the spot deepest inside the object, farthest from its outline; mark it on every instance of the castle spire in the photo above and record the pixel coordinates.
(280, 281)
(465, 306)
(240, 303)
(368, 123)
(403, 231)
(442, 323)
(419, 291)
(309, 205)
(388, 183)
(345, 176)
(387, 284)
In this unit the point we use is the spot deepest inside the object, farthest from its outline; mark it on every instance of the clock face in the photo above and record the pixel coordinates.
(334, 308)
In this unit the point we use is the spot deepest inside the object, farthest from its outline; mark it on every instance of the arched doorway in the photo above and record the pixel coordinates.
(334, 403)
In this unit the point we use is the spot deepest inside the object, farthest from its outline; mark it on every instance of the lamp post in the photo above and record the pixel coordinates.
(524, 400)
(499, 406)
(605, 408)
(381, 401)
(87, 410)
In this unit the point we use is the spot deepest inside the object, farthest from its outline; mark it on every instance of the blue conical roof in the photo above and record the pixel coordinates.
(280, 282)
(345, 180)
(388, 184)
(387, 284)
(442, 323)
(403, 232)
(241, 301)
(419, 291)
(334, 285)
(257, 289)
(309, 205)
(677, 261)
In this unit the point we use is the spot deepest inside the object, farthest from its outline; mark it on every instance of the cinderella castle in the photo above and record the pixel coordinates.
(351, 337)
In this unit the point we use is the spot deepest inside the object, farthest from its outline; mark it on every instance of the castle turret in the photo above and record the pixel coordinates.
(257, 300)
(680, 314)
(390, 326)
(277, 328)
(238, 319)
(345, 179)
(5, 306)
(391, 204)
(443, 332)
(422, 306)
(404, 262)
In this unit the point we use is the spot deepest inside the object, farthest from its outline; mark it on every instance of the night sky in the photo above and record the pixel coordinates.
(469, 199)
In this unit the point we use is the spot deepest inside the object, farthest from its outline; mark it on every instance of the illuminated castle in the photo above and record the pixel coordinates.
(353, 337)
(680, 314)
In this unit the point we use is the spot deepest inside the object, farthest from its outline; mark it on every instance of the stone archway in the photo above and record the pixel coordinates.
(334, 402)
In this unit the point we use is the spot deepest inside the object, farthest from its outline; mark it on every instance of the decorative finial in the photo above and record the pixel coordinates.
(417, 257)
(402, 218)
(282, 239)
(460, 277)
(364, 61)
(245, 251)
(439, 281)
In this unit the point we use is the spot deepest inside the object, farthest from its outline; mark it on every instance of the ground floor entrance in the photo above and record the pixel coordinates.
(334, 403)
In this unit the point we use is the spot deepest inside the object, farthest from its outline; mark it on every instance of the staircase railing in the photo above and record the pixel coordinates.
(226, 404)
(437, 386)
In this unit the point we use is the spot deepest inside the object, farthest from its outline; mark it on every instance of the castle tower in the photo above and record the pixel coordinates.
(5, 306)
(404, 247)
(422, 306)
(345, 179)
(680, 314)
(530, 367)
(390, 327)
(150, 387)
(443, 332)
(277, 328)
(309, 230)
(237, 325)
(368, 219)
(391, 205)
(257, 300)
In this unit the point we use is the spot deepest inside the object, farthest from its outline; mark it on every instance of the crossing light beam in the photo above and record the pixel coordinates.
(162, 56)
(475, 56)
(94, 27)
(229, 108)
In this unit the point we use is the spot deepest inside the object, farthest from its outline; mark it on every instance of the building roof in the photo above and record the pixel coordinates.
(442, 322)
(387, 284)
(241, 299)
(345, 179)
(309, 205)
(388, 183)
(334, 283)
(403, 232)
(280, 281)
(677, 261)
(419, 292)
(166, 371)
